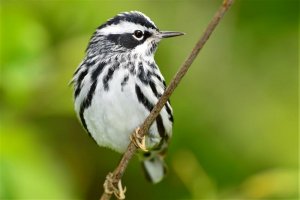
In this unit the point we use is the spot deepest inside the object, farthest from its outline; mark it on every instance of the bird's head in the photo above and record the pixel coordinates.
(131, 32)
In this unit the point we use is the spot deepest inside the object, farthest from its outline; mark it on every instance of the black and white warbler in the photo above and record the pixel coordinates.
(117, 85)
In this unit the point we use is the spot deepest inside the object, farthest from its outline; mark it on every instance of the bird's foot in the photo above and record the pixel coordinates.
(109, 187)
(139, 142)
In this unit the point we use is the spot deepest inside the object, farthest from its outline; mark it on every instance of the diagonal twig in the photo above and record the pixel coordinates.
(119, 171)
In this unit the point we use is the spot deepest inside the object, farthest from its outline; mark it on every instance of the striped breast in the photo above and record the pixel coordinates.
(114, 97)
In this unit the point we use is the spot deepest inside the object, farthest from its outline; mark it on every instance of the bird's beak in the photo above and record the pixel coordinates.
(167, 34)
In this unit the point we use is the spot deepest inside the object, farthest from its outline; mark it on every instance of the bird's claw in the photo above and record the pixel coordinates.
(109, 187)
(139, 142)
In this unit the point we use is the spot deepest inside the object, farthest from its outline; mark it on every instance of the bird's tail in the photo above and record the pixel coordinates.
(154, 166)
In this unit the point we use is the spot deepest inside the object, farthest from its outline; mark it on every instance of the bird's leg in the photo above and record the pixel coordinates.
(120, 191)
(109, 187)
(108, 184)
(139, 142)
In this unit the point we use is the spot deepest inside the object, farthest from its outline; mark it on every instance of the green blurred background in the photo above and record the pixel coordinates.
(235, 132)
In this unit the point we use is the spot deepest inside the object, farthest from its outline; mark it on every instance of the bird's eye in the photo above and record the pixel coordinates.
(138, 34)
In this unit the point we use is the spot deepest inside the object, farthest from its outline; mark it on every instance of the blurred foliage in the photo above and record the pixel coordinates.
(235, 131)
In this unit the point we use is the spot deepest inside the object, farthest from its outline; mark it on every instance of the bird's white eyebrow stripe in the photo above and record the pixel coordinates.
(121, 28)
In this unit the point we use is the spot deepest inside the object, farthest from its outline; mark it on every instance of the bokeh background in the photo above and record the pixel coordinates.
(235, 131)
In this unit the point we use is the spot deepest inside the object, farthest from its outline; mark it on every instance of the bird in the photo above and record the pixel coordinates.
(117, 85)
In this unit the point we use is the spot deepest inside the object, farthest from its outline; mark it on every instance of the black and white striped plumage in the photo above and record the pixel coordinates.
(118, 83)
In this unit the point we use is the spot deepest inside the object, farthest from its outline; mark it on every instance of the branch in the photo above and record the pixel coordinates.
(119, 171)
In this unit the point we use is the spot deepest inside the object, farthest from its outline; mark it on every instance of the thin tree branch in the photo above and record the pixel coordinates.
(119, 171)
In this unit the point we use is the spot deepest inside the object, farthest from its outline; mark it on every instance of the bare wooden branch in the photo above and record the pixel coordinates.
(119, 171)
